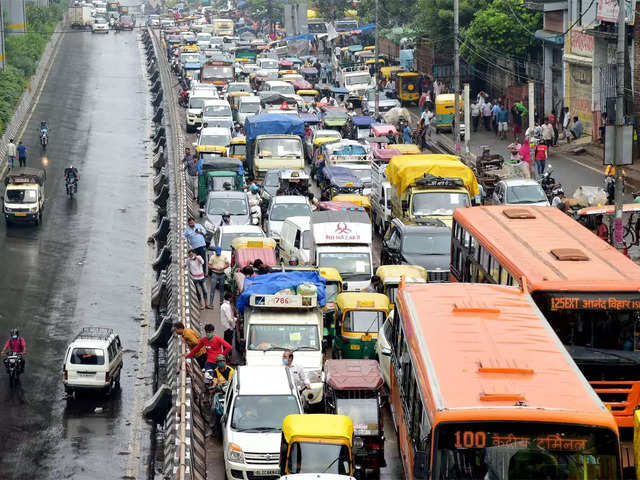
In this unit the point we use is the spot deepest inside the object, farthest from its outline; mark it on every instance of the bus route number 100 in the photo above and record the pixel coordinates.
(468, 439)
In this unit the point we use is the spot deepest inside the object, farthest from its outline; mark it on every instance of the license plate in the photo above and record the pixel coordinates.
(86, 374)
(264, 473)
(20, 214)
(355, 346)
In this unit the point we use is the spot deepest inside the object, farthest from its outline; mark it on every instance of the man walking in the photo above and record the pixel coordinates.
(195, 266)
(195, 234)
(193, 171)
(494, 117)
(217, 265)
(227, 318)
(22, 154)
(475, 115)
(566, 120)
(503, 122)
(11, 153)
(486, 115)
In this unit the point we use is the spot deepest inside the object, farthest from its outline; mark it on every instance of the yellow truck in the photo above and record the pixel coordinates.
(429, 186)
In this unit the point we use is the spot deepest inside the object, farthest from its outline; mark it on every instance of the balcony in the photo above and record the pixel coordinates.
(546, 5)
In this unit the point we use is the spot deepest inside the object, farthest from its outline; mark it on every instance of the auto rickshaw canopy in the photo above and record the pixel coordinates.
(322, 140)
(335, 206)
(407, 148)
(385, 153)
(240, 140)
(318, 425)
(249, 249)
(404, 170)
(386, 72)
(353, 374)
(362, 301)
(330, 274)
(359, 200)
(383, 130)
(392, 274)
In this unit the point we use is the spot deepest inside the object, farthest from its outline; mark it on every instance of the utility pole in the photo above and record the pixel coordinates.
(2, 54)
(456, 75)
(532, 142)
(618, 159)
(376, 68)
(467, 120)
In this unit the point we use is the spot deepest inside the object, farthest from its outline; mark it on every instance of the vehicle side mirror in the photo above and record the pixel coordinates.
(201, 211)
(420, 465)
(345, 286)
(386, 352)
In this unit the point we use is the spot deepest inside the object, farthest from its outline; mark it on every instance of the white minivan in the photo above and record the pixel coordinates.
(257, 401)
(93, 361)
(295, 240)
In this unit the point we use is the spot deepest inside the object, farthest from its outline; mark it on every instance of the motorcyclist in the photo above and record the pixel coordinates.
(226, 219)
(558, 197)
(254, 195)
(222, 376)
(71, 176)
(43, 127)
(15, 344)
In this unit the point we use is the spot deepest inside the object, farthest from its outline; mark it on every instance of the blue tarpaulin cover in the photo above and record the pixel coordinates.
(273, 124)
(271, 283)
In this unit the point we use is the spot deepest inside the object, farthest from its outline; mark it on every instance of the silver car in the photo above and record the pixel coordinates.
(221, 202)
(519, 191)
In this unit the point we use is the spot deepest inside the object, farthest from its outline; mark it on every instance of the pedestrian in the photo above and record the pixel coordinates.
(542, 152)
(374, 286)
(191, 338)
(300, 376)
(494, 117)
(11, 153)
(547, 133)
(486, 114)
(525, 153)
(601, 229)
(503, 122)
(227, 318)
(195, 234)
(553, 120)
(240, 276)
(475, 115)
(406, 133)
(566, 121)
(195, 266)
(22, 154)
(217, 265)
(214, 346)
(576, 129)
(191, 167)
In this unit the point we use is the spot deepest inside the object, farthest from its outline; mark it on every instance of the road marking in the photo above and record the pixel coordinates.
(583, 165)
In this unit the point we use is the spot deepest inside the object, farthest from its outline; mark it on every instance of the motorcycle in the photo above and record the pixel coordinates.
(13, 365)
(44, 139)
(255, 212)
(71, 185)
(183, 98)
(217, 394)
(548, 183)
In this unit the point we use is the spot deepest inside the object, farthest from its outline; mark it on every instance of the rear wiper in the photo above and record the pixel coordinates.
(306, 347)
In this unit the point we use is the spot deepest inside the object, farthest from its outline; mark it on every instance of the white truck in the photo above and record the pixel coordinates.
(357, 81)
(24, 195)
(274, 323)
(80, 16)
(380, 197)
(343, 240)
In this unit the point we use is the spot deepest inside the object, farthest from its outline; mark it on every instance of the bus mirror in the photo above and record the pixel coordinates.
(386, 352)
(420, 467)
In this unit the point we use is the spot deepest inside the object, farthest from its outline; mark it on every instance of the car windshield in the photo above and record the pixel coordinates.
(22, 196)
(87, 356)
(126, 18)
(249, 107)
(438, 203)
(356, 79)
(100, 20)
(363, 321)
(363, 412)
(525, 194)
(269, 64)
(363, 174)
(427, 243)
(284, 89)
(218, 140)
(283, 337)
(212, 72)
(238, 87)
(271, 178)
(235, 206)
(280, 147)
(281, 211)
(319, 458)
(225, 242)
(527, 450)
(262, 412)
(197, 102)
(217, 111)
(346, 263)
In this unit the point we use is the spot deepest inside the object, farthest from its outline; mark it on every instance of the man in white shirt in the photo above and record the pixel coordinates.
(11, 153)
(475, 115)
(486, 115)
(299, 374)
(227, 318)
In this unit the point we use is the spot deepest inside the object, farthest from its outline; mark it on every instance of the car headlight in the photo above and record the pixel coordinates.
(32, 210)
(235, 454)
(209, 226)
(358, 443)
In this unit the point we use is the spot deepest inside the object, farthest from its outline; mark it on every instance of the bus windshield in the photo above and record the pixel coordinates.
(502, 451)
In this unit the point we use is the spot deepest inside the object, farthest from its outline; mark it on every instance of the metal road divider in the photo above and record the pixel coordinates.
(177, 402)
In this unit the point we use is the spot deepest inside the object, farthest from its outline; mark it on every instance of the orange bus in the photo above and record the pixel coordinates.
(482, 388)
(587, 290)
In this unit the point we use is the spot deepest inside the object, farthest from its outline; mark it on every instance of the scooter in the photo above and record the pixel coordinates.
(44, 139)
(71, 186)
(255, 212)
(13, 365)
(183, 98)
(548, 183)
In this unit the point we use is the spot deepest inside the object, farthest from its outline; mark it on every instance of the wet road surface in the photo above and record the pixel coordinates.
(87, 264)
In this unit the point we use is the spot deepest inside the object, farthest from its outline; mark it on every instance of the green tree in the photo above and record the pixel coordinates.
(267, 9)
(504, 26)
(390, 13)
(333, 9)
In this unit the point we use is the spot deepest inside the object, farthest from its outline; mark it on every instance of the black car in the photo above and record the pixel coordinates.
(427, 244)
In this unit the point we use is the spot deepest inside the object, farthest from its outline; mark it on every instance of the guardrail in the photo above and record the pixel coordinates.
(176, 404)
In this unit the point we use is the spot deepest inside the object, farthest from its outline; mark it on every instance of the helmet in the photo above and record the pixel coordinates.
(226, 186)
(14, 332)
(255, 188)
(70, 167)
(226, 214)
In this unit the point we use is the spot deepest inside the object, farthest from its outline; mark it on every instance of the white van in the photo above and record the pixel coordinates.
(217, 113)
(257, 401)
(197, 98)
(295, 240)
(93, 361)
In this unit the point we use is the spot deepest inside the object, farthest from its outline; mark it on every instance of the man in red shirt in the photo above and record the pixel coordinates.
(213, 344)
(16, 344)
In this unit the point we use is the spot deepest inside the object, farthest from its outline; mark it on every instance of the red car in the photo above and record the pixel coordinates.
(127, 22)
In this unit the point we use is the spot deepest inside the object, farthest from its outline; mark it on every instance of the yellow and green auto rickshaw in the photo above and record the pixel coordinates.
(357, 320)
(317, 443)
(332, 289)
(391, 275)
(238, 149)
(445, 110)
(407, 87)
(216, 171)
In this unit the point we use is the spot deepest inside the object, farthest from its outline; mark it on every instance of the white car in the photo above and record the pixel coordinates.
(519, 191)
(217, 113)
(224, 234)
(257, 401)
(197, 98)
(100, 25)
(283, 207)
(93, 361)
(248, 107)
(214, 136)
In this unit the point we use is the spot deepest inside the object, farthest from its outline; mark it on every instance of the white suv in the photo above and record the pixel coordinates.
(93, 361)
(257, 401)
